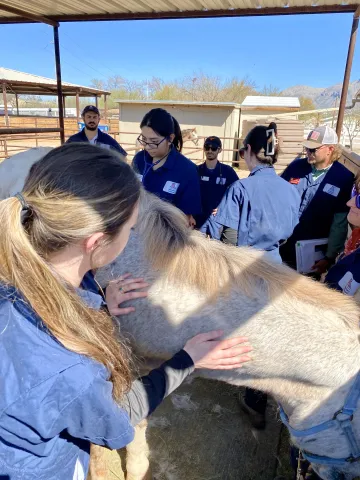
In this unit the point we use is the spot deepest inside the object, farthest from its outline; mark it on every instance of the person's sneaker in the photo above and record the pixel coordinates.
(256, 419)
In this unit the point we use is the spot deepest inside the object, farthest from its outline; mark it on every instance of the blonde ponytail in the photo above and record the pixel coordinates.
(57, 217)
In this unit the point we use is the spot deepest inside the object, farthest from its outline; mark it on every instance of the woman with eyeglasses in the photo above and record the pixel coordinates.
(161, 167)
(345, 274)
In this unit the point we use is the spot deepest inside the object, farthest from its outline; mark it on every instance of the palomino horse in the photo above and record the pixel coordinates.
(305, 336)
(188, 135)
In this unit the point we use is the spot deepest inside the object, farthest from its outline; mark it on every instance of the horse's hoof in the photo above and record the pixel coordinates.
(139, 476)
(145, 476)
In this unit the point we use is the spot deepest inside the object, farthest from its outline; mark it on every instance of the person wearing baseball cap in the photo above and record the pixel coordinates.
(325, 187)
(215, 177)
(91, 132)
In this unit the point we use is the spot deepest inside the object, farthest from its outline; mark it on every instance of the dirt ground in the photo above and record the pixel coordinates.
(200, 433)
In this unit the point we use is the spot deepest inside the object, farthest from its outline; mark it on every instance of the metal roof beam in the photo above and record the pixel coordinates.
(28, 16)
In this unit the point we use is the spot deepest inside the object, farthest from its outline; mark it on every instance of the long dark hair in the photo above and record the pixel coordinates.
(263, 143)
(73, 192)
(163, 124)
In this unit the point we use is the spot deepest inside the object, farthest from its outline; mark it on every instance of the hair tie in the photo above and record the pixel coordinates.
(25, 208)
(24, 204)
(270, 141)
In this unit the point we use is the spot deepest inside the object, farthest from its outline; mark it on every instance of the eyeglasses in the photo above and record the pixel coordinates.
(151, 145)
(354, 193)
(209, 147)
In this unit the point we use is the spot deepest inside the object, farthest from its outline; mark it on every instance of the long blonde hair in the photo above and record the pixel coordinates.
(73, 192)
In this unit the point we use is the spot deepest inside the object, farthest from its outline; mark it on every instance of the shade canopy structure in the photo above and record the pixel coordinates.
(12, 11)
(22, 83)
(52, 13)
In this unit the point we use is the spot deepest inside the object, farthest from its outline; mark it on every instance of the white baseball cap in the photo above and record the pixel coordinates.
(323, 135)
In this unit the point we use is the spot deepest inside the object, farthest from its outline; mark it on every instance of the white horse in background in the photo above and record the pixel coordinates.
(13, 170)
(305, 336)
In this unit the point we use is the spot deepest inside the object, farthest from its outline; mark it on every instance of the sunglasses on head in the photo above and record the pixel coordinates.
(354, 193)
(210, 147)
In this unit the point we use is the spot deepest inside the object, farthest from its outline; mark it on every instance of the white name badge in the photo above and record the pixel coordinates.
(331, 190)
(221, 181)
(103, 145)
(205, 179)
(348, 284)
(171, 187)
(140, 177)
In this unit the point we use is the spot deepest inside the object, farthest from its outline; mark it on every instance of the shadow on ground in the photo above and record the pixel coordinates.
(199, 433)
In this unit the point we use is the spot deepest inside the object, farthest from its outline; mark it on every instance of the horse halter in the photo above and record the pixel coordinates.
(342, 418)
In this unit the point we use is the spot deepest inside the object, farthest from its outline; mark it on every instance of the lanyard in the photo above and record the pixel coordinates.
(149, 166)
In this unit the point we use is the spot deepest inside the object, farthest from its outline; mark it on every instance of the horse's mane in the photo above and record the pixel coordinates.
(188, 258)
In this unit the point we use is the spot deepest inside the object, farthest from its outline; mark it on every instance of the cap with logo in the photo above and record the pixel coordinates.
(90, 108)
(323, 135)
(213, 142)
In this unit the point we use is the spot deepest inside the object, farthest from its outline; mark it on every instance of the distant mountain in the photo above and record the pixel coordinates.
(303, 91)
(323, 97)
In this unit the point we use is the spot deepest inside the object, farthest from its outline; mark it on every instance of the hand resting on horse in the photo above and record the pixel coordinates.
(121, 290)
(205, 350)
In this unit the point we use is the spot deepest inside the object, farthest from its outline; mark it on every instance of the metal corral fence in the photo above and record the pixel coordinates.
(291, 134)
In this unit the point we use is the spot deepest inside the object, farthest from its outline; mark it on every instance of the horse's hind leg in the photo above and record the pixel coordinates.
(137, 452)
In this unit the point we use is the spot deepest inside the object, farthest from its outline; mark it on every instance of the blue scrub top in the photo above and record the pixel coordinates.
(263, 208)
(213, 184)
(321, 199)
(53, 402)
(103, 140)
(345, 274)
(177, 181)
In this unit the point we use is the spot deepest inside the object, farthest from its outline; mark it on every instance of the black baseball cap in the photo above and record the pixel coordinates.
(213, 142)
(90, 108)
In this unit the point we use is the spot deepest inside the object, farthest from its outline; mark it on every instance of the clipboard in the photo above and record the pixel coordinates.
(308, 252)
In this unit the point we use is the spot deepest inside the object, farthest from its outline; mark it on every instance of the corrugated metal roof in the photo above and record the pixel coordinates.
(175, 103)
(65, 10)
(21, 80)
(265, 101)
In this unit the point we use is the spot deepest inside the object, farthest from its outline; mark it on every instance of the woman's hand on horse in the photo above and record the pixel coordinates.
(123, 289)
(208, 352)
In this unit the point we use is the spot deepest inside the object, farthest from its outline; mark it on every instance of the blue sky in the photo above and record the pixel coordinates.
(282, 51)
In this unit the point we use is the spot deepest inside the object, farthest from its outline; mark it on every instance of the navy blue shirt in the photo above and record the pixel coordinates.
(321, 199)
(177, 181)
(213, 184)
(103, 140)
(263, 208)
(345, 274)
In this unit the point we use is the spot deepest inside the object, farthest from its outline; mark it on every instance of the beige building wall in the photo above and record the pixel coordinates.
(224, 121)
(219, 121)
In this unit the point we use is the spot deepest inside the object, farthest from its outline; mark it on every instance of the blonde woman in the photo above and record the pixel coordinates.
(65, 376)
